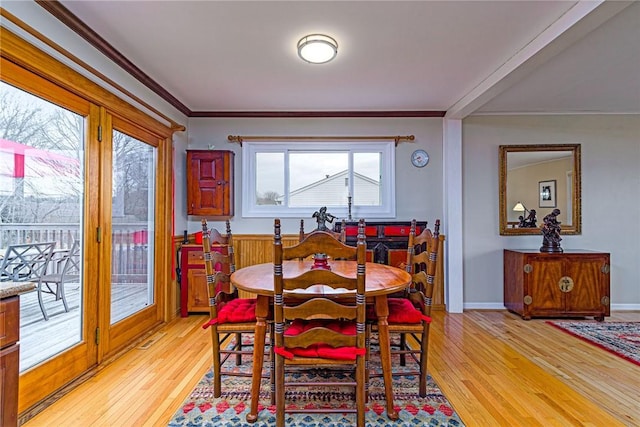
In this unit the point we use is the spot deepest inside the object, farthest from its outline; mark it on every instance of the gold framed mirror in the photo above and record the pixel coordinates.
(536, 179)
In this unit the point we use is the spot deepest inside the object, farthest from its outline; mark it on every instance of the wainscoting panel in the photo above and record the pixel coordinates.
(253, 249)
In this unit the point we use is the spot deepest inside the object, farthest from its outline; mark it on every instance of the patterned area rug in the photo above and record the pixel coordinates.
(619, 338)
(202, 409)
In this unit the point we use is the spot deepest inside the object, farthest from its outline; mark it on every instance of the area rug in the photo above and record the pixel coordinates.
(619, 338)
(202, 409)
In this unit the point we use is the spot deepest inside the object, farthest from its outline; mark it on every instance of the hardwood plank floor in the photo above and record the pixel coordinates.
(41, 339)
(495, 368)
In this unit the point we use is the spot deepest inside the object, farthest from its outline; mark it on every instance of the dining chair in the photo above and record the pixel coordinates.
(312, 330)
(410, 313)
(68, 271)
(340, 235)
(230, 317)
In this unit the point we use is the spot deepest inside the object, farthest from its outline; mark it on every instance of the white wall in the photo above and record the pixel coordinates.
(418, 190)
(610, 198)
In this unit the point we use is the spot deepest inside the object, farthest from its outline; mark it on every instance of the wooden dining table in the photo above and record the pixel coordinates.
(380, 279)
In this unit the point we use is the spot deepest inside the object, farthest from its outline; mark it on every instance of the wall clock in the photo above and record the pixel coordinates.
(419, 158)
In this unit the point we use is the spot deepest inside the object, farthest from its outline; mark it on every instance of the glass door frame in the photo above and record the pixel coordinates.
(29, 68)
(116, 336)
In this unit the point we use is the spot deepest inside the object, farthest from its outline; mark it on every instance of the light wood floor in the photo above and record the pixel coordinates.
(41, 339)
(496, 370)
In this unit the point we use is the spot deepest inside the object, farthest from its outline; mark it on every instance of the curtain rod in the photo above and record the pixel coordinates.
(397, 139)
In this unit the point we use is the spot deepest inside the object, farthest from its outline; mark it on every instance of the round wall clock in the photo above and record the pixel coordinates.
(419, 158)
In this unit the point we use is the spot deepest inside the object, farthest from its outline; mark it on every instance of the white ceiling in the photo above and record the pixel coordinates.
(462, 57)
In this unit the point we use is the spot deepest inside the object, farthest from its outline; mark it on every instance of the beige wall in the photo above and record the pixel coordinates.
(418, 190)
(610, 197)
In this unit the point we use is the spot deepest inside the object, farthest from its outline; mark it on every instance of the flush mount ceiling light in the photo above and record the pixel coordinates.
(317, 48)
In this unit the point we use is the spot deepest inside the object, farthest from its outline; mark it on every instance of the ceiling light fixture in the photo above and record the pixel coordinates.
(317, 48)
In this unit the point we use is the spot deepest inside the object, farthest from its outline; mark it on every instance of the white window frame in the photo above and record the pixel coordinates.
(387, 208)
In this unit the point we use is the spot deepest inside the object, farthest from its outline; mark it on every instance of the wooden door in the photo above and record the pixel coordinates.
(546, 296)
(586, 274)
(198, 298)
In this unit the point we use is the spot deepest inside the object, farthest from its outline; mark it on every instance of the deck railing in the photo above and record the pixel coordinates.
(129, 244)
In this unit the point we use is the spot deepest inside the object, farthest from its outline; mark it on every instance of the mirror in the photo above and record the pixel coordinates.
(539, 178)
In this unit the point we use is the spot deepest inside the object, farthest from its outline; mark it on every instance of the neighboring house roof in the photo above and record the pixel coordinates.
(333, 190)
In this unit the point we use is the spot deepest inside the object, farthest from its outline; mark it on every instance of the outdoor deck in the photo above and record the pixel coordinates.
(40, 339)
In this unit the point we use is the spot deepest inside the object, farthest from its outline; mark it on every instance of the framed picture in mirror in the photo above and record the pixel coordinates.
(547, 192)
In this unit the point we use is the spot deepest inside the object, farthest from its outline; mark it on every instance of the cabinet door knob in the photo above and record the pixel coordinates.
(565, 284)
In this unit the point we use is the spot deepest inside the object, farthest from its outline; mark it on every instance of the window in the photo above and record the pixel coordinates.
(295, 179)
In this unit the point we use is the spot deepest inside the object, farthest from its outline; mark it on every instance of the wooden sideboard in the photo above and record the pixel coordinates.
(9, 360)
(386, 241)
(569, 284)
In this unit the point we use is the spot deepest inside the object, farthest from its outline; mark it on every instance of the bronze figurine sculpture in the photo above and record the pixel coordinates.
(551, 233)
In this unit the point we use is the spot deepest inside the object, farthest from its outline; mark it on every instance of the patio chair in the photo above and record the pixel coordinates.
(409, 314)
(313, 331)
(26, 262)
(68, 271)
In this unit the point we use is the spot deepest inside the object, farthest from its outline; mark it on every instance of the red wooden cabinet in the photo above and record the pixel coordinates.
(194, 293)
(210, 183)
(569, 284)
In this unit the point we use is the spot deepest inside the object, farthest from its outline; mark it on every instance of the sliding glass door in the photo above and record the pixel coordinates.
(91, 175)
(130, 192)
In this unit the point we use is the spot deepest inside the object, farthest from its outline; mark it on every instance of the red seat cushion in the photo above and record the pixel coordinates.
(321, 349)
(401, 310)
(238, 310)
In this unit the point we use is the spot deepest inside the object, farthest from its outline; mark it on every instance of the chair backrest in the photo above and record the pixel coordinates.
(291, 303)
(26, 262)
(422, 257)
(71, 262)
(218, 266)
(341, 235)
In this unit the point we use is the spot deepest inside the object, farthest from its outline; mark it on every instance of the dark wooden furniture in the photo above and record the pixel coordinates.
(386, 241)
(569, 284)
(210, 183)
(194, 296)
(331, 331)
(381, 280)
(9, 360)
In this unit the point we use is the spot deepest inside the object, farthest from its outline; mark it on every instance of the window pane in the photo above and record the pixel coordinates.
(269, 178)
(42, 200)
(295, 179)
(133, 215)
(318, 179)
(367, 179)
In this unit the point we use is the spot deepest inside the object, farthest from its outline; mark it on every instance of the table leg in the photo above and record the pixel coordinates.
(382, 311)
(262, 310)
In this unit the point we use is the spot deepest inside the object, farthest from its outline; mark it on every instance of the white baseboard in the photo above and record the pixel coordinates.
(500, 306)
(484, 306)
(625, 307)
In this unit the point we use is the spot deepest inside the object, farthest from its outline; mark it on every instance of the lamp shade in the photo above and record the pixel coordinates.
(317, 48)
(519, 207)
